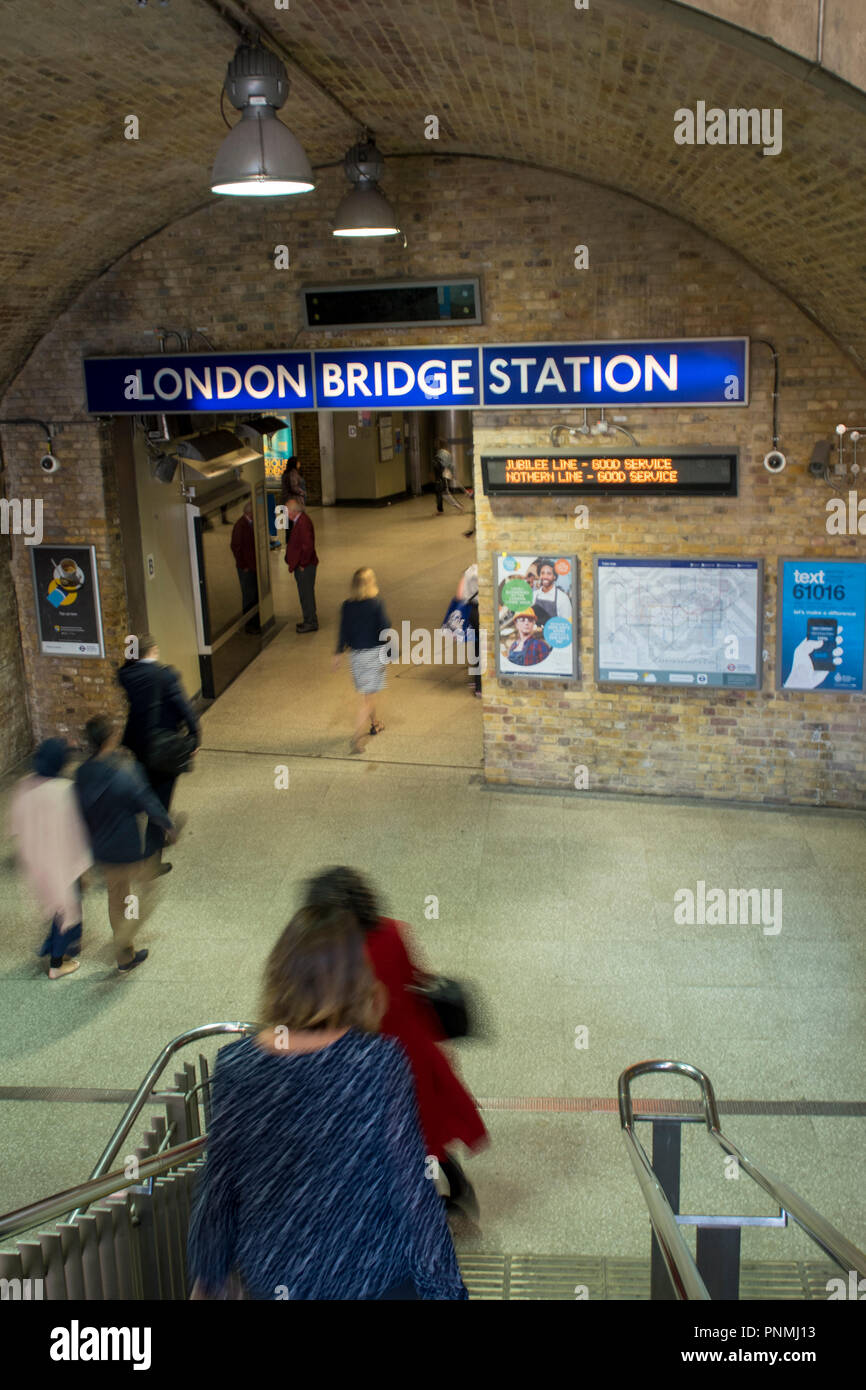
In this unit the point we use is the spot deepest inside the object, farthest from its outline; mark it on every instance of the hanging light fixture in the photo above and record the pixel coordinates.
(259, 157)
(365, 211)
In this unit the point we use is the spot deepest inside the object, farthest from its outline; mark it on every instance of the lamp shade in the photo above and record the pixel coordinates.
(260, 157)
(365, 211)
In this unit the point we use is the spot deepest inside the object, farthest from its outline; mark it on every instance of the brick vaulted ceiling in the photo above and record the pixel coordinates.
(585, 92)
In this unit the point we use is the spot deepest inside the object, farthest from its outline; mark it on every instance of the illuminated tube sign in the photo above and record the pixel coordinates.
(656, 472)
(171, 385)
(402, 378)
(689, 371)
(664, 372)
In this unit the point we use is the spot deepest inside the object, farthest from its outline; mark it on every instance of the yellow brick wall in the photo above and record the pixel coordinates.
(649, 276)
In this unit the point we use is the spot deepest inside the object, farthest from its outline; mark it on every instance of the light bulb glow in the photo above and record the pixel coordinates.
(262, 188)
(366, 231)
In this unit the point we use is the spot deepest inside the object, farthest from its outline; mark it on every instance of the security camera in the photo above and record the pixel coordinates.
(774, 461)
(820, 460)
(49, 464)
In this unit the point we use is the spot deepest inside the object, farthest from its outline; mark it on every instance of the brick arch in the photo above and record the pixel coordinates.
(589, 93)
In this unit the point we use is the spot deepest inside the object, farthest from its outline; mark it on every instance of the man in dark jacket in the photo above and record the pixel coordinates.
(111, 795)
(156, 701)
(303, 562)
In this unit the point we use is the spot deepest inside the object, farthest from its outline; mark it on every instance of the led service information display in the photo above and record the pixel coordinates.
(712, 472)
(692, 623)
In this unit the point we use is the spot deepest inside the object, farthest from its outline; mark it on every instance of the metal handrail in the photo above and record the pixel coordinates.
(139, 1100)
(832, 1242)
(679, 1262)
(95, 1189)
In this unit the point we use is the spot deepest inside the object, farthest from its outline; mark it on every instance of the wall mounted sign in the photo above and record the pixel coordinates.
(170, 385)
(66, 589)
(822, 625)
(688, 371)
(692, 623)
(393, 303)
(672, 372)
(536, 616)
(706, 472)
(278, 449)
(386, 439)
(398, 378)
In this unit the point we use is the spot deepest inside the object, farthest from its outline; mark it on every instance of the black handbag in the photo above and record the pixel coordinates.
(168, 752)
(448, 1001)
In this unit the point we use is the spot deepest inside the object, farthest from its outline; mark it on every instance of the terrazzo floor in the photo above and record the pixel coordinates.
(538, 905)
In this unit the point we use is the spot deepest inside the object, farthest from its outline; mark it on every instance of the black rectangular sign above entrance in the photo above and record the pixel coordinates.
(692, 472)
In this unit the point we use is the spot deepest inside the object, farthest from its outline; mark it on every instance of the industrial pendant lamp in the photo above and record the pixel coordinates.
(365, 211)
(260, 157)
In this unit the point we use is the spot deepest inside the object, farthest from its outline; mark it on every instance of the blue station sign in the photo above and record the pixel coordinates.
(397, 378)
(711, 371)
(660, 372)
(231, 382)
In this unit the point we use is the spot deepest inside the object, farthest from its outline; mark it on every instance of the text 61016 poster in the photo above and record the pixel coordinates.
(821, 625)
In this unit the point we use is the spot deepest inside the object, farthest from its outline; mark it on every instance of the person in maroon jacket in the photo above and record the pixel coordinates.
(244, 551)
(303, 562)
(447, 1111)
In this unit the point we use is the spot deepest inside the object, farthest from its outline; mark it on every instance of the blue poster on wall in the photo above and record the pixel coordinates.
(821, 625)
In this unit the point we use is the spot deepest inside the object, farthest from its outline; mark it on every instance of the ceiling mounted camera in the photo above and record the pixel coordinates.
(820, 460)
(49, 464)
(774, 461)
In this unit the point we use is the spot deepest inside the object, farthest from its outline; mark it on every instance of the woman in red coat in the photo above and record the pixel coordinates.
(447, 1111)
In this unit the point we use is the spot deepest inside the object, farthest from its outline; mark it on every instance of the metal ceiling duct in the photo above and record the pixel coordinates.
(215, 452)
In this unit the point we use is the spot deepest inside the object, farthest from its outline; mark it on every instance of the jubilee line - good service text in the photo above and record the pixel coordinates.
(603, 470)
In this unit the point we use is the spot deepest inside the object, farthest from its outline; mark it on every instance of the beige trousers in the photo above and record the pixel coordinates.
(129, 901)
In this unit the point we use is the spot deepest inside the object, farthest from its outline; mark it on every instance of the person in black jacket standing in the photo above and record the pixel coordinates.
(111, 795)
(363, 628)
(156, 702)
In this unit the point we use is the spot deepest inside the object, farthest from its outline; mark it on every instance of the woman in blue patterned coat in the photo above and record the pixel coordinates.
(317, 1185)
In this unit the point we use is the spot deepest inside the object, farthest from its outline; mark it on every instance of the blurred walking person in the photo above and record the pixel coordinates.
(111, 795)
(448, 1112)
(363, 623)
(467, 592)
(53, 851)
(157, 708)
(315, 1184)
(443, 464)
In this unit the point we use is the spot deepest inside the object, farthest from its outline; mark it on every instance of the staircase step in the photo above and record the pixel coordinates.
(534, 1278)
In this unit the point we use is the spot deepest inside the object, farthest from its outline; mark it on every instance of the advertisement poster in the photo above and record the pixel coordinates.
(536, 615)
(277, 449)
(822, 622)
(66, 590)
